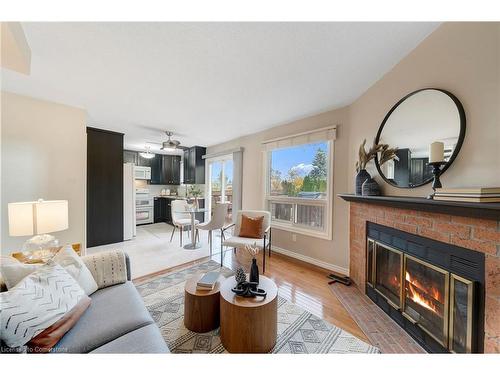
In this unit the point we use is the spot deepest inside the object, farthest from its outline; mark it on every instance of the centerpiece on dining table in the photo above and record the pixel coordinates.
(195, 193)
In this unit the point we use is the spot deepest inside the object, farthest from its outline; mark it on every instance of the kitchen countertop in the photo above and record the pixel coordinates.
(169, 196)
(175, 197)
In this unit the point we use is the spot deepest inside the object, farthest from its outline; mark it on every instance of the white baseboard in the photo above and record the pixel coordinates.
(316, 262)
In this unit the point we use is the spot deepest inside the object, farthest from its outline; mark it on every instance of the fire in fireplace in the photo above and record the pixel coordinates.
(426, 299)
(431, 289)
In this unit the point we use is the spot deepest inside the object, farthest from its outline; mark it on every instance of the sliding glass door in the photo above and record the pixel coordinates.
(220, 183)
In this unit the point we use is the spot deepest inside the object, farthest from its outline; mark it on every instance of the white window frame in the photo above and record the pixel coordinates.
(327, 203)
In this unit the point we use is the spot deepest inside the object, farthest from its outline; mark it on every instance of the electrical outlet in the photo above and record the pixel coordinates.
(294, 237)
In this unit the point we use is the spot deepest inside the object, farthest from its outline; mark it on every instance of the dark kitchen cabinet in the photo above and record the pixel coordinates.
(163, 210)
(168, 210)
(171, 170)
(145, 162)
(104, 187)
(165, 170)
(156, 165)
(176, 170)
(160, 210)
(130, 157)
(194, 165)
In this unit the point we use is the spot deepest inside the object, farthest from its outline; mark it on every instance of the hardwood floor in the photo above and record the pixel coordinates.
(301, 283)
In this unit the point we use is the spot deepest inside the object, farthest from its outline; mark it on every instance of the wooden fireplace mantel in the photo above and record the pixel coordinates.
(479, 210)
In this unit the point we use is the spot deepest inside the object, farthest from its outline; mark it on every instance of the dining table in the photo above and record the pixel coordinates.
(192, 211)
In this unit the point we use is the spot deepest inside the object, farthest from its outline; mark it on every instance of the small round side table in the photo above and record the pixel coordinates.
(201, 307)
(248, 325)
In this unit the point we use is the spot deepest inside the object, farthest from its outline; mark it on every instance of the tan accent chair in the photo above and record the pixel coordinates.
(237, 242)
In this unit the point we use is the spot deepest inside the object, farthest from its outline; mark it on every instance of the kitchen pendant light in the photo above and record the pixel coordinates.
(147, 154)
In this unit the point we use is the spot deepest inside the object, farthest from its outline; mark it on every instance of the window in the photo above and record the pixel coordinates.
(298, 184)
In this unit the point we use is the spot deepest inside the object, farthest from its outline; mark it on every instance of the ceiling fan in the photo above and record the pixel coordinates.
(170, 144)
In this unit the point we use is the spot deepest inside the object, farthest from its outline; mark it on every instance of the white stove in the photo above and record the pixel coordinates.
(144, 211)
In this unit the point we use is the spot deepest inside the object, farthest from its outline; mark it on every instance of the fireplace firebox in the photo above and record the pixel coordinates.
(435, 291)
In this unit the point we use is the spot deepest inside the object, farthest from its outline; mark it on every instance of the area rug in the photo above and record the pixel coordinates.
(298, 330)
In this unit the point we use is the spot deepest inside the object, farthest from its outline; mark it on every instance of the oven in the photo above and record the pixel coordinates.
(144, 212)
(144, 215)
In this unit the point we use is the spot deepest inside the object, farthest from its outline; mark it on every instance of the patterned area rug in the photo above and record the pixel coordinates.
(298, 330)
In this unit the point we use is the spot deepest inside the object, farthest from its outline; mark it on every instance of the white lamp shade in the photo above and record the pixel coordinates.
(39, 217)
(21, 219)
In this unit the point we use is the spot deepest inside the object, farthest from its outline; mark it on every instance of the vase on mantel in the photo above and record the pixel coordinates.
(361, 177)
(370, 187)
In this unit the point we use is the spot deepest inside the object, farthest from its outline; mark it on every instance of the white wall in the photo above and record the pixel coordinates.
(43, 155)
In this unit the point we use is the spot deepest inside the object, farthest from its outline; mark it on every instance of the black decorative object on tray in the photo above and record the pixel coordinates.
(240, 275)
(249, 289)
(253, 250)
(254, 272)
(436, 171)
(370, 187)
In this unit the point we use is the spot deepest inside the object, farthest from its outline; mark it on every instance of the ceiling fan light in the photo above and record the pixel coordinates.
(146, 155)
(169, 146)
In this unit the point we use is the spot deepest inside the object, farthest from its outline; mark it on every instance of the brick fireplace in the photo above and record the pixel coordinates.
(473, 233)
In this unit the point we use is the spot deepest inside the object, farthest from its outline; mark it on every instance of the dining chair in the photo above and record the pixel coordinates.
(236, 241)
(216, 221)
(181, 219)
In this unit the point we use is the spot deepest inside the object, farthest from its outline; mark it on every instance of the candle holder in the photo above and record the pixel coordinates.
(436, 171)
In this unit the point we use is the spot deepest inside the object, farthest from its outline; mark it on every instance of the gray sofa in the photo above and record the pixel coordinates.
(116, 322)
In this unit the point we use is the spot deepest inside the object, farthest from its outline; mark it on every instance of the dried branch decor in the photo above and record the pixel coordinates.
(386, 154)
(253, 250)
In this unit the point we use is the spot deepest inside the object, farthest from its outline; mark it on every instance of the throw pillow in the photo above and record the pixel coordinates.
(107, 267)
(14, 272)
(37, 302)
(49, 337)
(251, 227)
(74, 265)
(4, 260)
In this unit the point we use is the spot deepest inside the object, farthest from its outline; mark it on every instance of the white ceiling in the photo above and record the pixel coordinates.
(207, 82)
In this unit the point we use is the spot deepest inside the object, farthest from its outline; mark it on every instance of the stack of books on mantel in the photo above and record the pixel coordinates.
(208, 281)
(478, 195)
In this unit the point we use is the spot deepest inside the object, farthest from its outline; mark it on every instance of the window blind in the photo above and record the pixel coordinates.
(328, 133)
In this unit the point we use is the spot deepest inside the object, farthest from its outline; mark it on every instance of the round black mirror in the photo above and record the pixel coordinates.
(417, 120)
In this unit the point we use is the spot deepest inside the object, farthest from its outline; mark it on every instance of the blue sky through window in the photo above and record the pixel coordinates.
(216, 172)
(298, 157)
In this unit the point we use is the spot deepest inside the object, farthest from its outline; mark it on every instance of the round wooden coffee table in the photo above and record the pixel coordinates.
(201, 307)
(248, 325)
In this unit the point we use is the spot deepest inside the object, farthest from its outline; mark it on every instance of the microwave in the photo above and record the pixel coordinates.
(142, 173)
